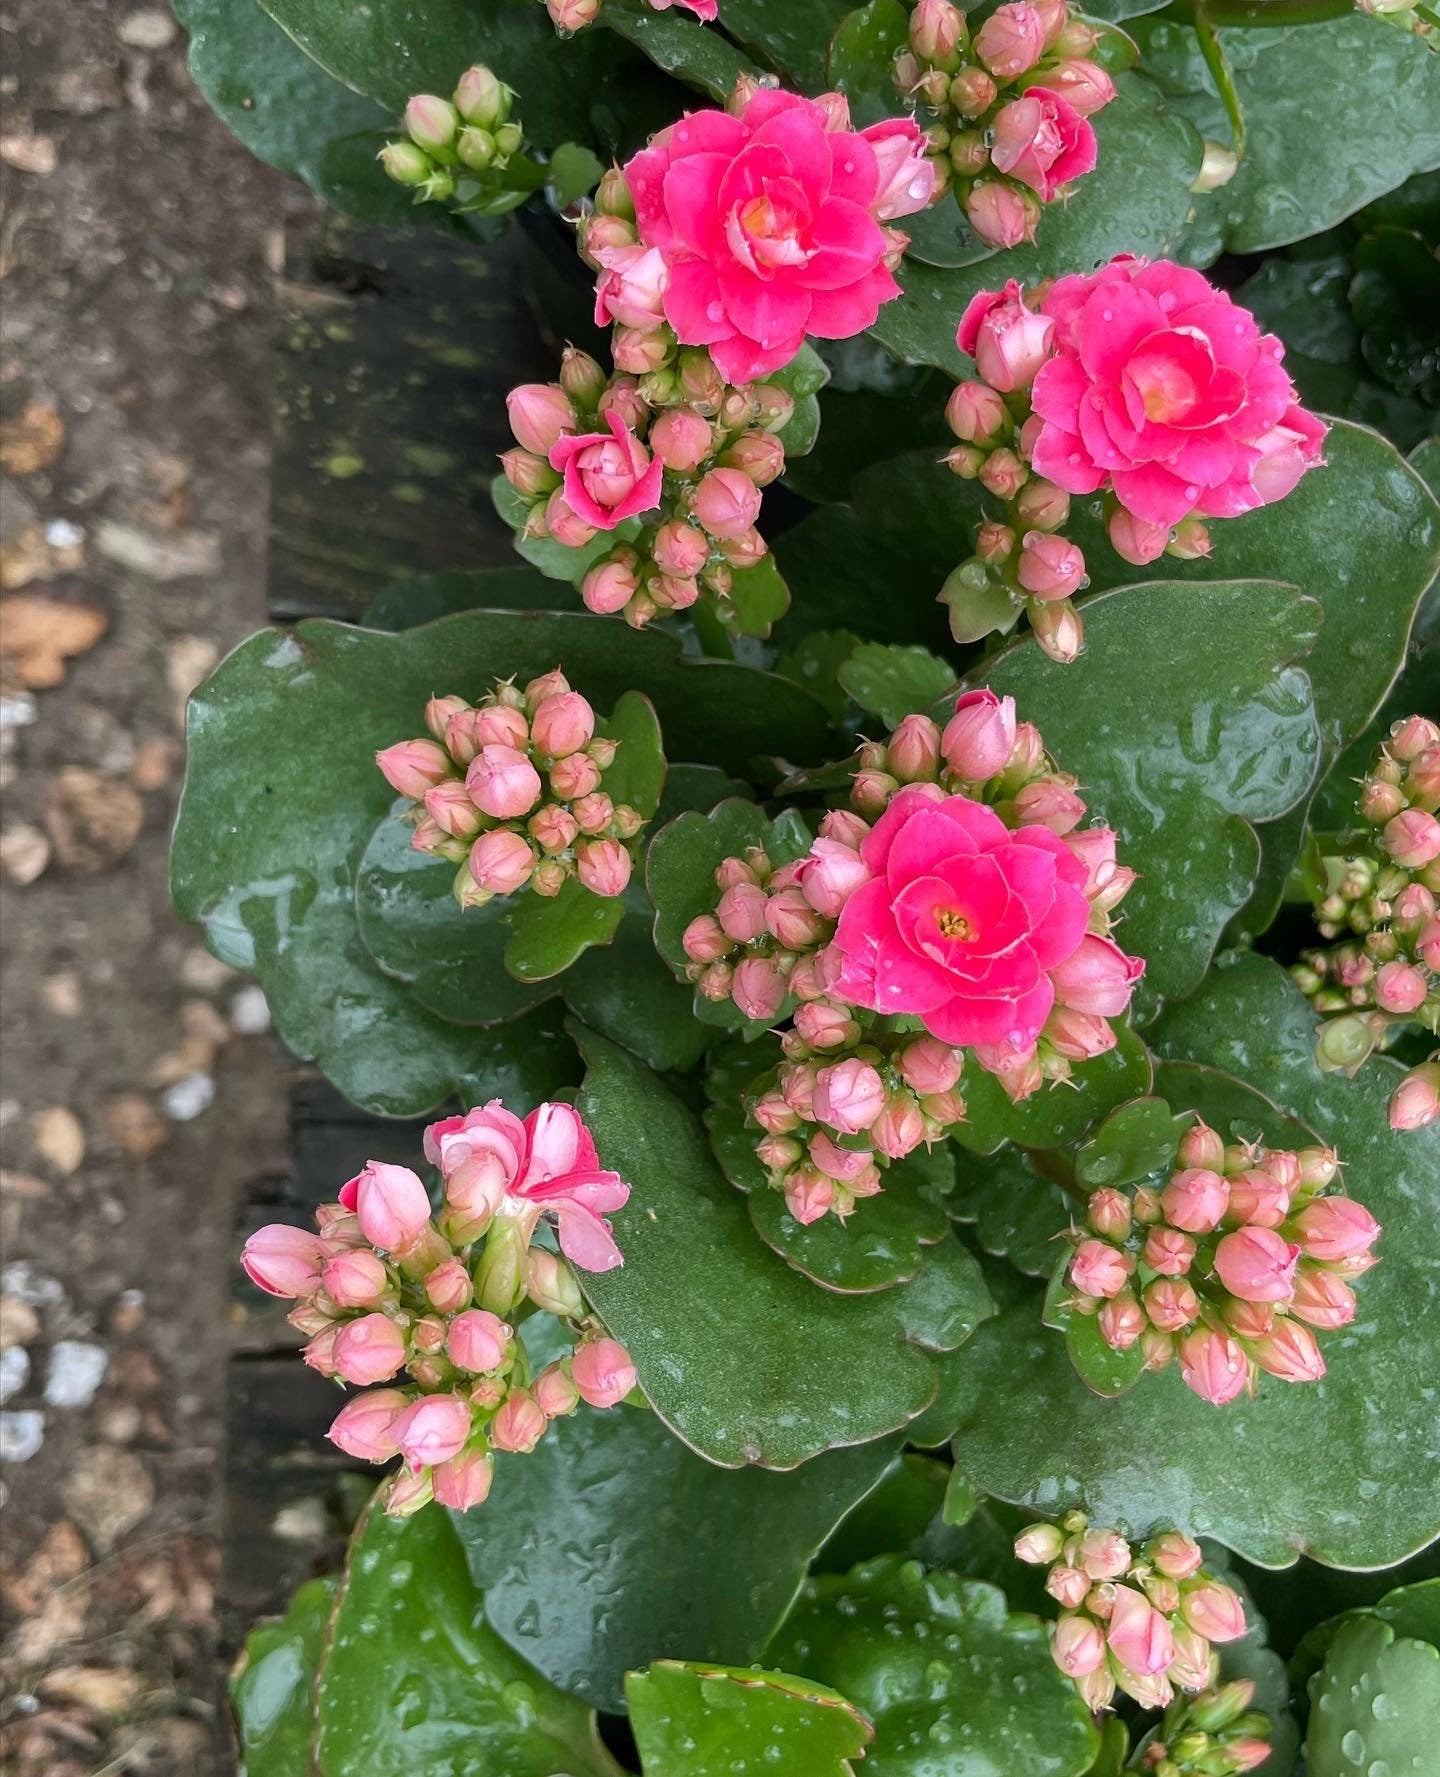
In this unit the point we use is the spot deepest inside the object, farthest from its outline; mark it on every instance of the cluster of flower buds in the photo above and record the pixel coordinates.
(471, 133)
(663, 440)
(1151, 424)
(513, 791)
(1232, 1266)
(1007, 110)
(869, 1076)
(385, 1288)
(1139, 1620)
(1379, 900)
(570, 16)
(1215, 1734)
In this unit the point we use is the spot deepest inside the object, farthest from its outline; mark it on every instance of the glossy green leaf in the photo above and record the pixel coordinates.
(952, 1680)
(1136, 201)
(1375, 1703)
(794, 38)
(1179, 746)
(862, 53)
(421, 599)
(1103, 1370)
(1018, 1213)
(612, 1545)
(547, 934)
(1133, 1143)
(680, 45)
(1059, 1112)
(902, 1514)
(722, 1721)
(556, 561)
(737, 1352)
(759, 598)
(1298, 1469)
(283, 798)
(815, 662)
(1395, 295)
(806, 373)
(414, 1681)
(893, 681)
(573, 172)
(270, 1688)
(1295, 179)
(1412, 1610)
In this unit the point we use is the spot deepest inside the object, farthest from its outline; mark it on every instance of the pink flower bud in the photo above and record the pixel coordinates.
(1256, 1265)
(900, 1127)
(1201, 1146)
(1038, 1545)
(1057, 628)
(355, 1278)
(1400, 988)
(555, 1393)
(1334, 1228)
(1427, 944)
(554, 829)
(448, 1288)
(319, 1353)
(412, 767)
(1049, 802)
(431, 122)
(501, 862)
(603, 866)
(1134, 539)
(704, 940)
(1168, 1252)
(937, 33)
(1049, 568)
(825, 1025)
(741, 912)
(972, 92)
(562, 724)
(574, 776)
(1011, 40)
(1068, 1585)
(1081, 82)
(758, 455)
(1121, 1322)
(611, 584)
(452, 811)
(1289, 1352)
(603, 1372)
(727, 503)
(1002, 215)
(392, 1205)
(682, 439)
(849, 1096)
(914, 750)
(1321, 1299)
(520, 1424)
(501, 725)
(1008, 340)
(845, 1165)
(1097, 978)
(593, 814)
(1078, 1647)
(1098, 1269)
(541, 414)
(830, 875)
(976, 413)
(1104, 1554)
(1258, 1197)
(980, 736)
(368, 1350)
(1171, 1304)
(1415, 1102)
(1139, 1637)
(791, 920)
(503, 783)
(1108, 1213)
(365, 1427)
(563, 523)
(1214, 1611)
(1042, 506)
(680, 551)
(439, 711)
(435, 1429)
(283, 1261)
(1078, 1036)
(929, 1066)
(1412, 838)
(1212, 1365)
(809, 1195)
(478, 1341)
(463, 1481)
(1174, 1555)
(758, 988)
(772, 1113)
(1195, 1200)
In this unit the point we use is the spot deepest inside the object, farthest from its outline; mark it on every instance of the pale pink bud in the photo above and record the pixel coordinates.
(550, 1284)
(824, 1025)
(562, 724)
(758, 455)
(808, 1194)
(1135, 539)
(972, 92)
(1412, 838)
(937, 33)
(554, 829)
(1057, 628)
(1415, 1102)
(727, 503)
(428, 1334)
(1097, 978)
(1104, 1554)
(319, 1353)
(1335, 1228)
(831, 874)
(503, 783)
(529, 475)
(411, 767)
(1108, 1213)
(438, 712)
(282, 1260)
(1380, 801)
(541, 414)
(1081, 82)
(1195, 1200)
(772, 1113)
(1201, 1146)
(1174, 1555)
(1322, 1299)
(1078, 1036)
(682, 439)
(1289, 1352)
(1038, 1545)
(1214, 1611)
(791, 920)
(1212, 1365)
(680, 551)
(431, 122)
(452, 811)
(1411, 737)
(1050, 802)
(871, 790)
(1400, 988)
(355, 1278)
(407, 1493)
(704, 940)
(478, 1341)
(574, 776)
(1068, 1585)
(1258, 1197)
(1194, 1666)
(845, 1165)
(797, 1084)
(1010, 341)
(1138, 1635)
(368, 1350)
(520, 1424)
(741, 912)
(1168, 1252)
(365, 1427)
(758, 988)
(1097, 1688)
(435, 1429)
(392, 1205)
(603, 1372)
(603, 866)
(900, 1127)
(1001, 215)
(448, 1288)
(1171, 1304)
(1427, 944)
(611, 584)
(1078, 1647)
(929, 1066)
(1011, 40)
(463, 739)
(1098, 1269)
(555, 1393)
(1049, 567)
(976, 413)
(980, 736)
(501, 862)
(463, 1481)
(1121, 1322)
(849, 1096)
(1256, 1265)
(914, 750)
(501, 725)
(778, 1153)
(1042, 505)
(562, 523)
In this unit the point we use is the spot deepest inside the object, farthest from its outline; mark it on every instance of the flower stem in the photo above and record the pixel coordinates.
(1220, 72)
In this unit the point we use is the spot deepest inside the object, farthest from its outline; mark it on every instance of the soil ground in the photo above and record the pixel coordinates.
(138, 244)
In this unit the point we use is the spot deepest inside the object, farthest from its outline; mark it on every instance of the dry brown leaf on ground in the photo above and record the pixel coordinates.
(92, 820)
(31, 441)
(38, 635)
(29, 554)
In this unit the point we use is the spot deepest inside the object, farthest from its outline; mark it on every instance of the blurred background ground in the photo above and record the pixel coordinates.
(140, 1090)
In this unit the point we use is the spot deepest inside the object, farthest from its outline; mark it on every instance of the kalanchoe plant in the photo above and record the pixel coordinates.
(935, 1025)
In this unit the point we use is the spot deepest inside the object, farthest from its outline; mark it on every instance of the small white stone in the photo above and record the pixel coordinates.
(21, 1434)
(250, 1012)
(14, 1370)
(187, 1098)
(31, 1286)
(150, 28)
(77, 1369)
(61, 534)
(17, 711)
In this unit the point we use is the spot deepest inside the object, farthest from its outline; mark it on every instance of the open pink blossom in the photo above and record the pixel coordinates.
(706, 10)
(607, 479)
(963, 921)
(1043, 141)
(770, 224)
(631, 287)
(1166, 391)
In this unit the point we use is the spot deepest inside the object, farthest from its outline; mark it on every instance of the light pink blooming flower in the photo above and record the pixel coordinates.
(607, 478)
(1043, 141)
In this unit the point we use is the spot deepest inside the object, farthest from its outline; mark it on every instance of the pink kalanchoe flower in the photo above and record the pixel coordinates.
(391, 1203)
(849, 1096)
(1212, 1365)
(501, 862)
(631, 288)
(1415, 1102)
(503, 783)
(1097, 976)
(478, 1341)
(1256, 1265)
(411, 767)
(1195, 1200)
(1099, 1269)
(1139, 1637)
(1043, 141)
(540, 415)
(371, 1349)
(1166, 391)
(1001, 216)
(1009, 341)
(1289, 1352)
(365, 1426)
(1011, 40)
(603, 866)
(355, 1278)
(1049, 567)
(1214, 1611)
(434, 1429)
(464, 1480)
(1084, 84)
(603, 1372)
(608, 478)
(769, 223)
(965, 921)
(283, 1261)
(830, 874)
(520, 1424)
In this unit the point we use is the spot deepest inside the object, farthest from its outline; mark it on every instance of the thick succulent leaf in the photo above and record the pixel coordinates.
(861, 54)
(413, 1680)
(270, 1688)
(794, 38)
(815, 662)
(1103, 1370)
(1179, 746)
(1136, 201)
(612, 1545)
(1375, 1703)
(759, 597)
(1298, 1469)
(1018, 1213)
(724, 1721)
(283, 797)
(1057, 1113)
(892, 681)
(679, 45)
(739, 1354)
(548, 934)
(406, 604)
(952, 1680)
(1135, 1141)
(902, 1514)
(1295, 179)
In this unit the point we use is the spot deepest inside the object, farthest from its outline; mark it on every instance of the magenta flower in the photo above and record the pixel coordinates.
(706, 10)
(963, 921)
(607, 479)
(770, 224)
(1166, 391)
(1043, 141)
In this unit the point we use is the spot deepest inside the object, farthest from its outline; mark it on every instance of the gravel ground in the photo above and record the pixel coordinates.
(138, 244)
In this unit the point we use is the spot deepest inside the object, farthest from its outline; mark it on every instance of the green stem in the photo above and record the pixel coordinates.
(1220, 72)
(1258, 14)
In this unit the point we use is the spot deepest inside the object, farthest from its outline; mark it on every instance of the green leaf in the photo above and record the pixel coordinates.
(1103, 1370)
(724, 1721)
(793, 38)
(759, 598)
(270, 1687)
(893, 681)
(1018, 1213)
(1132, 1144)
(806, 373)
(1194, 744)
(1394, 296)
(862, 53)
(739, 1354)
(1375, 1702)
(636, 778)
(515, 587)
(815, 662)
(557, 561)
(573, 172)
(902, 1514)
(1298, 1469)
(1295, 179)
(547, 934)
(1137, 201)
(679, 45)
(951, 1679)
(283, 798)
(1412, 1610)
(612, 1542)
(1058, 1113)
(413, 1680)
